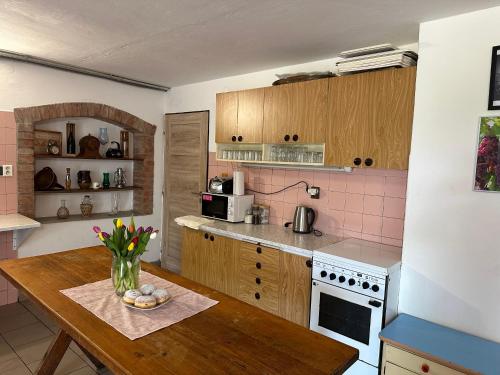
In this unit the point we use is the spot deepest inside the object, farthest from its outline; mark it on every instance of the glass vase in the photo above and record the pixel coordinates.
(125, 273)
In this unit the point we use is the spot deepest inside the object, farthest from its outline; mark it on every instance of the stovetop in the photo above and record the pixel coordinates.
(360, 254)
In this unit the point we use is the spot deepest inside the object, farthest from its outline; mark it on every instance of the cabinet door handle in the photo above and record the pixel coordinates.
(286, 138)
(212, 238)
(425, 368)
(259, 250)
(295, 137)
(257, 295)
(357, 161)
(258, 265)
(206, 236)
(257, 280)
(233, 138)
(375, 303)
(240, 138)
(309, 263)
(368, 162)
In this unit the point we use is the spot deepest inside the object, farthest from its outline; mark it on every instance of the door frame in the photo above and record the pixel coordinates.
(164, 194)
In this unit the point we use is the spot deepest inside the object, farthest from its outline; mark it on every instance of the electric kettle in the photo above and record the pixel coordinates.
(303, 220)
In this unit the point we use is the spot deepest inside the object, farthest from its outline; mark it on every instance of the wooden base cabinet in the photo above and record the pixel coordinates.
(210, 260)
(273, 280)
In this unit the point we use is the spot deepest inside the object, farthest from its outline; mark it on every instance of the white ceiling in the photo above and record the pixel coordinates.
(174, 42)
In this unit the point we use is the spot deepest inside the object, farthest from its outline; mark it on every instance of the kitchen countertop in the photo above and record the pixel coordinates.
(16, 222)
(273, 236)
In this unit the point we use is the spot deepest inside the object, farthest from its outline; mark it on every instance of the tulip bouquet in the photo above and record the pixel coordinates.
(127, 244)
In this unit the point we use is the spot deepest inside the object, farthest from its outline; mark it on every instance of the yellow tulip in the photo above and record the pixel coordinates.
(131, 246)
(119, 223)
(101, 237)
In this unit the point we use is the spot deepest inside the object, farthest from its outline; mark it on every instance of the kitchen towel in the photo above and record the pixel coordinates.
(193, 222)
(100, 299)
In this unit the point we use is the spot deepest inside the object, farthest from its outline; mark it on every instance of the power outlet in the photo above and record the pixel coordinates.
(313, 191)
(7, 170)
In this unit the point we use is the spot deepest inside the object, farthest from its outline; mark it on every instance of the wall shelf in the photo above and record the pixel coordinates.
(83, 158)
(82, 191)
(79, 217)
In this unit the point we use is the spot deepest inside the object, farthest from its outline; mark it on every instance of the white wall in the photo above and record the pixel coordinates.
(30, 85)
(451, 252)
(201, 96)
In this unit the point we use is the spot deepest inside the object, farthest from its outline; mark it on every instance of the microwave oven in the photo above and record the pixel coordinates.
(227, 207)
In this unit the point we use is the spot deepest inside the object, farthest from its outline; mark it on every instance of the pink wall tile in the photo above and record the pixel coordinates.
(7, 120)
(2, 185)
(391, 241)
(353, 221)
(3, 140)
(10, 153)
(3, 297)
(337, 200)
(11, 186)
(355, 184)
(354, 203)
(371, 237)
(374, 185)
(351, 234)
(394, 207)
(276, 209)
(3, 283)
(392, 228)
(373, 205)
(3, 149)
(290, 195)
(11, 202)
(3, 202)
(266, 176)
(288, 211)
(395, 187)
(307, 176)
(10, 136)
(291, 176)
(278, 178)
(372, 224)
(322, 179)
(338, 182)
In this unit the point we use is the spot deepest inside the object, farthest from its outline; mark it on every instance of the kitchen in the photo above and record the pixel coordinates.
(424, 208)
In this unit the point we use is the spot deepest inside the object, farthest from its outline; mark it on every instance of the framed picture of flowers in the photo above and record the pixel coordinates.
(487, 158)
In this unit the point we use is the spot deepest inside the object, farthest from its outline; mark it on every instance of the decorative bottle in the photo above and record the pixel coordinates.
(70, 141)
(67, 182)
(62, 212)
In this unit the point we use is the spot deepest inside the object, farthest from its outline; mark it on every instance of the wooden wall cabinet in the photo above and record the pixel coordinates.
(239, 116)
(370, 116)
(273, 280)
(296, 112)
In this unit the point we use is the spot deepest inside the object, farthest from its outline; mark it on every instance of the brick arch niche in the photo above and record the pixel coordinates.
(143, 148)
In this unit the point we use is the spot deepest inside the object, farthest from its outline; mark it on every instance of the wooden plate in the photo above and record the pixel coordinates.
(143, 309)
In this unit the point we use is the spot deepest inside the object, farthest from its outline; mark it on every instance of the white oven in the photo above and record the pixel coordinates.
(355, 291)
(349, 317)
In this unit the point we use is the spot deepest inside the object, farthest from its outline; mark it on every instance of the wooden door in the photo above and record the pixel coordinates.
(250, 115)
(296, 109)
(388, 140)
(185, 176)
(294, 288)
(226, 117)
(351, 104)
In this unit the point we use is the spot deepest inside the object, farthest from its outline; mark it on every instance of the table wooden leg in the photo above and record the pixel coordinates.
(54, 354)
(94, 360)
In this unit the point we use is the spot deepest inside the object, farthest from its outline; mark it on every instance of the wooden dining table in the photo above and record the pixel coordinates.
(231, 337)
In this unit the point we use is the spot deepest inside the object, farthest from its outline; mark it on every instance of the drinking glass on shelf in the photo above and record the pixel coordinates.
(225, 154)
(241, 155)
(258, 155)
(230, 154)
(114, 204)
(274, 153)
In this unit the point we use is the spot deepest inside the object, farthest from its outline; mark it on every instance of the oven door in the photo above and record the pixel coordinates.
(348, 317)
(215, 206)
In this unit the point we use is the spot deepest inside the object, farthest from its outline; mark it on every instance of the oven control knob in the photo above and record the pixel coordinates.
(341, 279)
(323, 274)
(375, 288)
(365, 285)
(333, 276)
(352, 282)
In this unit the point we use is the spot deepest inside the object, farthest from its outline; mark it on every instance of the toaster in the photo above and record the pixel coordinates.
(221, 185)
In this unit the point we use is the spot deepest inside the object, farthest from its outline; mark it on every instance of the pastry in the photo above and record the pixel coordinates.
(161, 295)
(130, 296)
(145, 302)
(147, 289)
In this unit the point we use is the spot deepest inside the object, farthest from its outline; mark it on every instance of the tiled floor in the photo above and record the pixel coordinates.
(25, 334)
